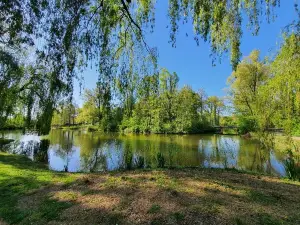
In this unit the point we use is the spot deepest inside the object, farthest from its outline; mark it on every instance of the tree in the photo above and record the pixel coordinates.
(90, 113)
(65, 114)
(283, 88)
(186, 111)
(215, 106)
(245, 85)
(202, 99)
(163, 108)
(266, 94)
(10, 77)
(168, 89)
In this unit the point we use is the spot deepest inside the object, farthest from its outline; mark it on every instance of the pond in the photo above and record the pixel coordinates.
(80, 151)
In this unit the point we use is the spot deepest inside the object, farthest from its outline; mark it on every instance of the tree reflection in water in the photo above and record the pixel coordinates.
(63, 149)
(31, 146)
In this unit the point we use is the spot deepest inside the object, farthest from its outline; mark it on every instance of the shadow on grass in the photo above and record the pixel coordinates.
(20, 162)
(20, 177)
(37, 196)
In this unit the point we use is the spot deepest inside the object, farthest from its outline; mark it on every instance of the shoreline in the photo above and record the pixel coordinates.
(92, 128)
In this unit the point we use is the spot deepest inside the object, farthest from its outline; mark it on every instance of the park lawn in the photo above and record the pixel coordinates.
(30, 194)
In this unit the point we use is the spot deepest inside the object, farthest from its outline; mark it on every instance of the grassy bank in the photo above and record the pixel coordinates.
(30, 194)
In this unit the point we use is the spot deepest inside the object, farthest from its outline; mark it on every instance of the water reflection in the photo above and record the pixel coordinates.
(74, 151)
(31, 146)
(292, 166)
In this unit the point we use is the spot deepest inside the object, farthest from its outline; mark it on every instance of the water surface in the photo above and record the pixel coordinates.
(80, 151)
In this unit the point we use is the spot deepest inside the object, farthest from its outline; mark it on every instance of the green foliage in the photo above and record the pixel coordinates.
(246, 125)
(228, 121)
(97, 109)
(186, 111)
(284, 87)
(296, 130)
(15, 122)
(179, 216)
(88, 114)
(65, 114)
(109, 34)
(245, 90)
(154, 209)
(10, 77)
(162, 108)
(215, 106)
(159, 107)
(266, 94)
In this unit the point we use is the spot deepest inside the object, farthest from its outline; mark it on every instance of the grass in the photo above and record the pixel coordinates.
(19, 177)
(30, 194)
(154, 208)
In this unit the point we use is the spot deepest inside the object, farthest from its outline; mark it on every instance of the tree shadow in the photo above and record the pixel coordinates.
(20, 162)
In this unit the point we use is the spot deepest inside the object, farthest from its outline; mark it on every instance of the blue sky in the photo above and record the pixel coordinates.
(192, 63)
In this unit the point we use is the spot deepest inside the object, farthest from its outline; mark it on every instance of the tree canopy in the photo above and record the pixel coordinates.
(265, 93)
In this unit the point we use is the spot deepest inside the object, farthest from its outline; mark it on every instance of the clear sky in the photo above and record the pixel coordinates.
(192, 63)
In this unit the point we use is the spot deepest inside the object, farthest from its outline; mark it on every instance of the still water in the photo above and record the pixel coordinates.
(80, 151)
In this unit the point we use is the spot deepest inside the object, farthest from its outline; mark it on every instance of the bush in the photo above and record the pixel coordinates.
(246, 125)
(296, 130)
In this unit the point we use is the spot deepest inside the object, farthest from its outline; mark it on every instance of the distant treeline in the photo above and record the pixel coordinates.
(153, 104)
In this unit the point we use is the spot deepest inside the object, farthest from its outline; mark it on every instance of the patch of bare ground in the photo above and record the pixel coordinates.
(2, 222)
(187, 196)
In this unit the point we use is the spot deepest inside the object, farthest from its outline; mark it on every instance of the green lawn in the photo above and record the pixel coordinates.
(30, 194)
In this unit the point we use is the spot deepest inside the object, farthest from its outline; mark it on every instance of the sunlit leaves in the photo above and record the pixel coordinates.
(245, 83)
(285, 83)
(268, 93)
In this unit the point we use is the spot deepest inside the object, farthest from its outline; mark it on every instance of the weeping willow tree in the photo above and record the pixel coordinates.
(69, 35)
(10, 76)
